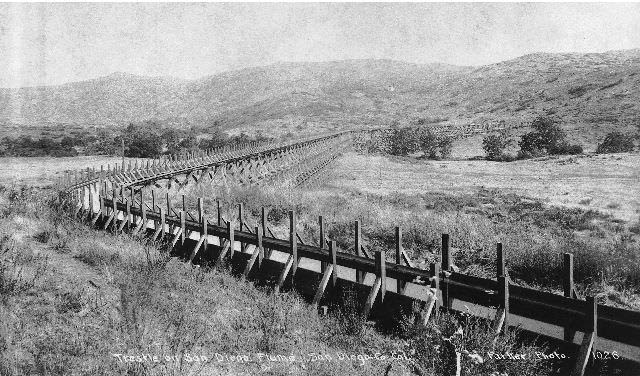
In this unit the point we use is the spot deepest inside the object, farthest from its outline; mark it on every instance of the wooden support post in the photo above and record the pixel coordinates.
(182, 227)
(232, 240)
(323, 285)
(400, 285)
(589, 338)
(241, 226)
(567, 282)
(446, 254)
(284, 273)
(163, 221)
(360, 275)
(322, 242)
(257, 254)
(446, 268)
(569, 290)
(219, 212)
(379, 285)
(500, 261)
(502, 313)
(433, 303)
(202, 241)
(153, 200)
(293, 242)
(90, 211)
(200, 209)
(333, 249)
(381, 270)
(263, 223)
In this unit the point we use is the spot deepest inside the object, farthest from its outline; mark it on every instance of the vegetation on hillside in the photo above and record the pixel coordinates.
(494, 146)
(546, 138)
(406, 140)
(616, 142)
(141, 140)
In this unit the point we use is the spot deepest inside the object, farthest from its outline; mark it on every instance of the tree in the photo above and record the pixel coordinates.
(546, 138)
(434, 147)
(404, 141)
(616, 142)
(494, 145)
(142, 141)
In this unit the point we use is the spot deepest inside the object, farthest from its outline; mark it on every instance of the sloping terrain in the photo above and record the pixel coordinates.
(590, 90)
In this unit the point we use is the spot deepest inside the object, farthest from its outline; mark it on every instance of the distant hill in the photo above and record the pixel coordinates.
(599, 89)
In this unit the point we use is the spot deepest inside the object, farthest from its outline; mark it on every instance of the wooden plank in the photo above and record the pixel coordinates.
(400, 284)
(569, 290)
(360, 275)
(256, 256)
(500, 262)
(373, 293)
(590, 335)
(223, 252)
(435, 284)
(502, 314)
(176, 237)
(283, 275)
(293, 243)
(322, 242)
(323, 285)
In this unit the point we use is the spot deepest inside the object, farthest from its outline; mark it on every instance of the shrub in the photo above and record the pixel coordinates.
(546, 138)
(495, 144)
(434, 147)
(616, 142)
(405, 141)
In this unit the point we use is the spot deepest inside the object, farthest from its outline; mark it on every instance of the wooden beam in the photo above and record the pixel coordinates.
(176, 237)
(373, 293)
(569, 290)
(589, 338)
(502, 313)
(446, 268)
(435, 284)
(256, 256)
(400, 284)
(323, 285)
(500, 261)
(284, 273)
(203, 238)
(360, 275)
(293, 242)
(232, 240)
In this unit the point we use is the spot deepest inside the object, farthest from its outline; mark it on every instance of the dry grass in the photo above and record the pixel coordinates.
(562, 181)
(534, 234)
(43, 171)
(124, 297)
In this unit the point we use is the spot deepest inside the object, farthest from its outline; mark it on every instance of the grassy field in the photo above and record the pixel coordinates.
(76, 301)
(599, 182)
(532, 207)
(43, 171)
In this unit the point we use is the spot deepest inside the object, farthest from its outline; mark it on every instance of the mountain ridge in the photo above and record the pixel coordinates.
(584, 88)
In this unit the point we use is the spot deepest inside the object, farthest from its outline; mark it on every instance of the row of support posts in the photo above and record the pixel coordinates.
(439, 271)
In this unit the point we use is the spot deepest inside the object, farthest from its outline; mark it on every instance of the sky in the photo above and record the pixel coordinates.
(54, 43)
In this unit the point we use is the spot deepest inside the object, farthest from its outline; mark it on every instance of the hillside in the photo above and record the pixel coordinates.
(585, 89)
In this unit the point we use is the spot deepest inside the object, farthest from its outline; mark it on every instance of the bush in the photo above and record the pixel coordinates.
(547, 138)
(405, 141)
(434, 147)
(616, 142)
(494, 146)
